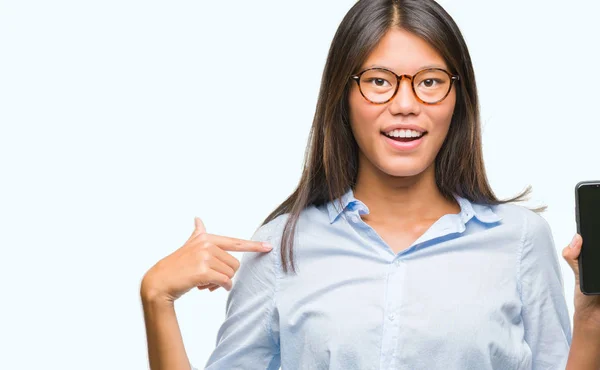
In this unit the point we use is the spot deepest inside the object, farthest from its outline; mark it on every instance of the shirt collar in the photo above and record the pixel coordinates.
(482, 212)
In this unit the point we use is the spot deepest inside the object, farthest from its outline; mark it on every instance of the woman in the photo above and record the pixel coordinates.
(393, 252)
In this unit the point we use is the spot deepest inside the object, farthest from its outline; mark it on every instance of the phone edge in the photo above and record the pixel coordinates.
(577, 186)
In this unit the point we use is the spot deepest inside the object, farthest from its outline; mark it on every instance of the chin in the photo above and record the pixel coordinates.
(402, 170)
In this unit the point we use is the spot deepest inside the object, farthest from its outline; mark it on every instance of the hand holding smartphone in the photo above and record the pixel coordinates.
(587, 214)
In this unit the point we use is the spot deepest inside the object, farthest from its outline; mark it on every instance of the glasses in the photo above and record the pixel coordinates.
(380, 85)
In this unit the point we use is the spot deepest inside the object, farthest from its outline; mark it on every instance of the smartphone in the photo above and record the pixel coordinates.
(587, 214)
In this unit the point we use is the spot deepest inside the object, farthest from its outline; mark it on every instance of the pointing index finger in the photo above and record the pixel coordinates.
(239, 245)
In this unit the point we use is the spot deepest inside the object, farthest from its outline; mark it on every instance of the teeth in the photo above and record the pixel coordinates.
(404, 133)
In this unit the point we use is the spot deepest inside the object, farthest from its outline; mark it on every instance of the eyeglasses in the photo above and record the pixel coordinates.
(380, 85)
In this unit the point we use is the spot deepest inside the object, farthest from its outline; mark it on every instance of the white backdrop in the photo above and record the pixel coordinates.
(122, 120)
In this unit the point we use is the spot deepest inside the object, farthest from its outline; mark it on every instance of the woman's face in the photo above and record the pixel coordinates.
(402, 53)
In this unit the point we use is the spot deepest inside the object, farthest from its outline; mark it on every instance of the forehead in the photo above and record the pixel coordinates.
(403, 52)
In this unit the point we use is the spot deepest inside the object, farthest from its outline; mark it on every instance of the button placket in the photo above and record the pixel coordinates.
(391, 324)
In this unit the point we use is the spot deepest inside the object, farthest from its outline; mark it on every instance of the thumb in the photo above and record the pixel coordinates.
(198, 228)
(571, 253)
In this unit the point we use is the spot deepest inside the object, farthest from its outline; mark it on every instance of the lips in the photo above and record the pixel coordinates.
(403, 145)
(405, 139)
(404, 127)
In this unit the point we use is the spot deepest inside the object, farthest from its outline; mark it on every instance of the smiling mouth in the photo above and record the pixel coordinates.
(404, 139)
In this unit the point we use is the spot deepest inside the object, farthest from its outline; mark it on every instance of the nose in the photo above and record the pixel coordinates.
(405, 101)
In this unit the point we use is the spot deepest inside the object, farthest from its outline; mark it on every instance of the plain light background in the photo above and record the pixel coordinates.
(122, 120)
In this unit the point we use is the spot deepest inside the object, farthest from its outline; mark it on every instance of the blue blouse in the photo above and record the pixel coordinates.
(481, 289)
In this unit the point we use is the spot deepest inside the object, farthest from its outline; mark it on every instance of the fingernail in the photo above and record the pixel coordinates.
(572, 244)
(267, 245)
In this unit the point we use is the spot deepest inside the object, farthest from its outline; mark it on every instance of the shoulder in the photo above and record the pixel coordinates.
(265, 263)
(537, 252)
(518, 218)
(271, 231)
(312, 219)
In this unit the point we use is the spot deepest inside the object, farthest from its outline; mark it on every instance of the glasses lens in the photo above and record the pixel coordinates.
(378, 85)
(431, 85)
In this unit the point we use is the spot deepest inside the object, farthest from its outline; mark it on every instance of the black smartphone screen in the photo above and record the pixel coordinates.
(587, 195)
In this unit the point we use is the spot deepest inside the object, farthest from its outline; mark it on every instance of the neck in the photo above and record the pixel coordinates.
(405, 200)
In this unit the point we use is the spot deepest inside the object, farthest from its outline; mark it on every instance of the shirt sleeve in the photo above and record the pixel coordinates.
(545, 314)
(249, 336)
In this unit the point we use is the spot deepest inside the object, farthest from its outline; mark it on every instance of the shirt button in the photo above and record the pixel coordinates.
(397, 262)
(391, 317)
(354, 218)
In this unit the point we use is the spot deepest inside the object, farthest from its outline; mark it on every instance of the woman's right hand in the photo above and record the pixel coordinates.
(201, 262)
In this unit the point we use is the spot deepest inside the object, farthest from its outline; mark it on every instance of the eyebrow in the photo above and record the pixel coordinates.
(422, 67)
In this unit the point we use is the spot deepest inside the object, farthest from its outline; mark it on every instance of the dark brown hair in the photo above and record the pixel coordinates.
(331, 157)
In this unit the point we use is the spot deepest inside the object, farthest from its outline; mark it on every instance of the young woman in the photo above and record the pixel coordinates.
(393, 252)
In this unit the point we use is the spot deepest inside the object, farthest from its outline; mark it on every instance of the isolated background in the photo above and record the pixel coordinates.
(122, 120)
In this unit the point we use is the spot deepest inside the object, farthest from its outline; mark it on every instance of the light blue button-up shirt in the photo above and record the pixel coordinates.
(481, 289)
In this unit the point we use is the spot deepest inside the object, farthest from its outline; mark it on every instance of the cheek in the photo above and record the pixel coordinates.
(363, 116)
(450, 104)
(441, 117)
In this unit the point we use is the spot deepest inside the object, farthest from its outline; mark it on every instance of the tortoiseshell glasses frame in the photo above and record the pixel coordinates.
(452, 78)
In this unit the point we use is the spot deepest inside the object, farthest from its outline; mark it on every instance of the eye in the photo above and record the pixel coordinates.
(378, 82)
(429, 82)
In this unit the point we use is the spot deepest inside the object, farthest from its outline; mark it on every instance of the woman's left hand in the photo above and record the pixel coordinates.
(587, 307)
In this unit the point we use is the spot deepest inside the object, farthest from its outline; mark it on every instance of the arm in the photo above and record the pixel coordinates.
(545, 314)
(165, 345)
(249, 336)
(585, 349)
(201, 262)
